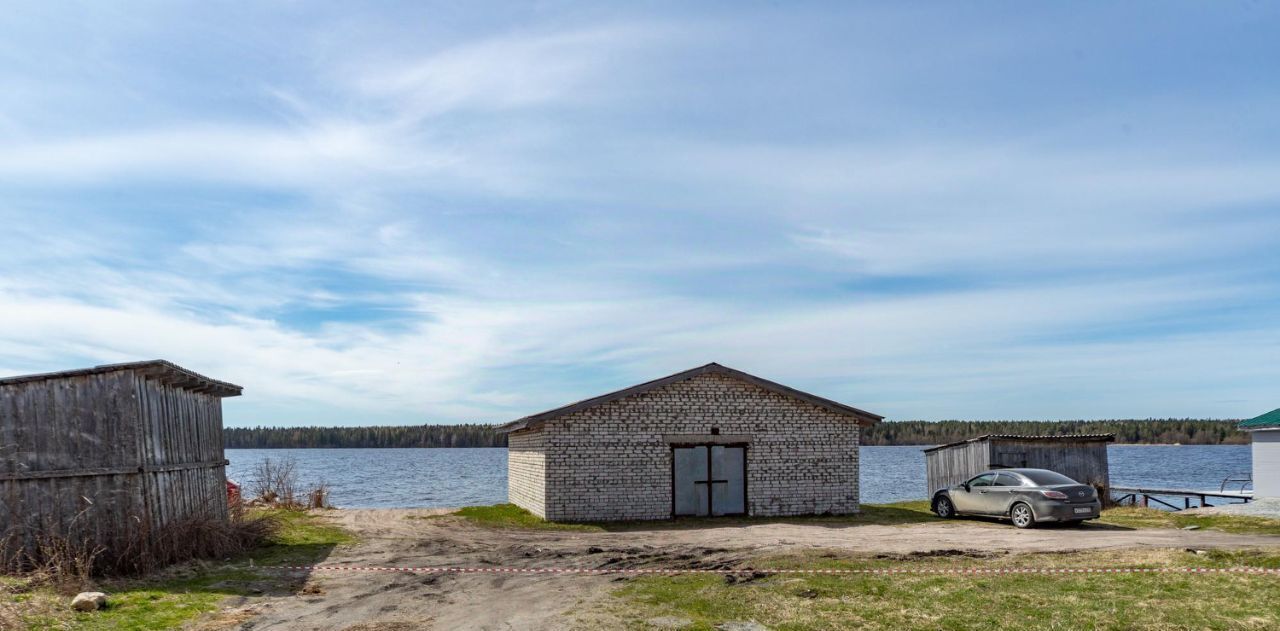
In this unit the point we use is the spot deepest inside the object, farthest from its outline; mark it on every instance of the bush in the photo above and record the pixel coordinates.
(72, 554)
(199, 536)
(275, 483)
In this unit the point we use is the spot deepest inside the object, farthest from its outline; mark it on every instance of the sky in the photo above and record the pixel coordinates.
(402, 213)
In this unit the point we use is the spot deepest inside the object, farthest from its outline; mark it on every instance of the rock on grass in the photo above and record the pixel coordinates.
(89, 601)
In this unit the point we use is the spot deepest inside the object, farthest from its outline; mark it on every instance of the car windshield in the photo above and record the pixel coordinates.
(1046, 478)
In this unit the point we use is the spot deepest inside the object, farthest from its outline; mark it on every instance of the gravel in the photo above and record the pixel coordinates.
(1265, 507)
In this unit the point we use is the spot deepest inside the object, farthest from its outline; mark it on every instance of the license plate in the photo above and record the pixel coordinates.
(1085, 509)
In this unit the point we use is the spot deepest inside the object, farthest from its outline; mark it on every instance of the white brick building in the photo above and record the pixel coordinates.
(1266, 453)
(707, 441)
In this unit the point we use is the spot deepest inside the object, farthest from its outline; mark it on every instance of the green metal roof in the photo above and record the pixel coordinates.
(1270, 419)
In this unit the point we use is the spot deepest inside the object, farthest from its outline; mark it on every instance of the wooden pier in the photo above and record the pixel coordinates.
(1144, 497)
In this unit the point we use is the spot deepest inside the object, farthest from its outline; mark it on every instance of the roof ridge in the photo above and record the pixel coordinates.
(536, 420)
(150, 368)
(1269, 420)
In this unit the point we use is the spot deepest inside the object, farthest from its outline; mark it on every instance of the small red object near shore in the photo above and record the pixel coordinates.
(233, 492)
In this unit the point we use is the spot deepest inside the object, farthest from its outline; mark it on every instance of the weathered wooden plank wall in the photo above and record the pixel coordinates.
(952, 465)
(1084, 461)
(100, 455)
(181, 452)
(1081, 461)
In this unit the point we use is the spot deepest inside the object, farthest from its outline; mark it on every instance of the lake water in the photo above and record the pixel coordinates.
(389, 478)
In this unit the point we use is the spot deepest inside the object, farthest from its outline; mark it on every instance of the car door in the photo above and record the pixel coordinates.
(1001, 494)
(972, 500)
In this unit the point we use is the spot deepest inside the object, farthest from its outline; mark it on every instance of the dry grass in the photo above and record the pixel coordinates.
(1072, 601)
(196, 537)
(318, 496)
(56, 556)
(71, 555)
(174, 597)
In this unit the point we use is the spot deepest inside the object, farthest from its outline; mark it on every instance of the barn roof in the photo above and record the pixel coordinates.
(1270, 420)
(1067, 438)
(158, 369)
(536, 420)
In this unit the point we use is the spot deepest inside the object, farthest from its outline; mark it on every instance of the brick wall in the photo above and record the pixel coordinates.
(526, 471)
(613, 461)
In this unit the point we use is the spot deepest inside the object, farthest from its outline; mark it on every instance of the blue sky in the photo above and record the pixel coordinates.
(439, 212)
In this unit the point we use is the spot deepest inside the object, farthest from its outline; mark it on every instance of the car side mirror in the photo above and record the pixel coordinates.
(966, 487)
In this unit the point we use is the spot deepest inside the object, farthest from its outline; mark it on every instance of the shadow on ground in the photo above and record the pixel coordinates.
(248, 575)
(871, 515)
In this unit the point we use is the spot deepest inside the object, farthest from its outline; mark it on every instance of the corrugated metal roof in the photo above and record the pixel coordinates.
(536, 420)
(160, 369)
(1268, 420)
(1066, 438)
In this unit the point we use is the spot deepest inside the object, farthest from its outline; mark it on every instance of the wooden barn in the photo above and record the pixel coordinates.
(1082, 458)
(103, 454)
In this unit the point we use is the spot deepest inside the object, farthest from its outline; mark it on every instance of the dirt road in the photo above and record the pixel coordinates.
(403, 601)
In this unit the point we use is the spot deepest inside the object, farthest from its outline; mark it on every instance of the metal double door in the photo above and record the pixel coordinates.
(709, 480)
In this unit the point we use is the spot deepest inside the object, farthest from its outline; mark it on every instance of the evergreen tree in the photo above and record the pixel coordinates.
(1185, 431)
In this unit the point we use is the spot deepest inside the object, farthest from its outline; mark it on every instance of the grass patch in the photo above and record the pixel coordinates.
(302, 537)
(801, 602)
(893, 514)
(1137, 517)
(512, 516)
(173, 597)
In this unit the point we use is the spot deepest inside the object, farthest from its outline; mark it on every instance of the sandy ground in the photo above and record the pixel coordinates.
(402, 601)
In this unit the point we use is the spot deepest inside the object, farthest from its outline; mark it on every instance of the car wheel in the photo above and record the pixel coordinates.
(944, 508)
(1022, 516)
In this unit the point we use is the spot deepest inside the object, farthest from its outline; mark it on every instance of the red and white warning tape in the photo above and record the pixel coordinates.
(873, 571)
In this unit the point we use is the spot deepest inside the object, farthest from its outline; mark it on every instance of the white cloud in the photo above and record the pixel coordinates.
(937, 176)
(524, 205)
(502, 73)
(477, 357)
(267, 156)
(963, 243)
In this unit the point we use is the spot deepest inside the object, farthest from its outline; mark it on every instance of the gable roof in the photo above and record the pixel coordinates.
(159, 369)
(1270, 420)
(536, 420)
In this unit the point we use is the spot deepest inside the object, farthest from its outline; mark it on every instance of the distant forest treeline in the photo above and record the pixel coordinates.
(468, 435)
(1155, 431)
(1167, 431)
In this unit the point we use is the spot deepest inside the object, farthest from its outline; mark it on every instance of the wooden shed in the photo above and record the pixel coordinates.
(1082, 458)
(103, 454)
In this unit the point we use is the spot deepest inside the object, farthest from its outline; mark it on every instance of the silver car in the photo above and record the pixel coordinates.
(1023, 496)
